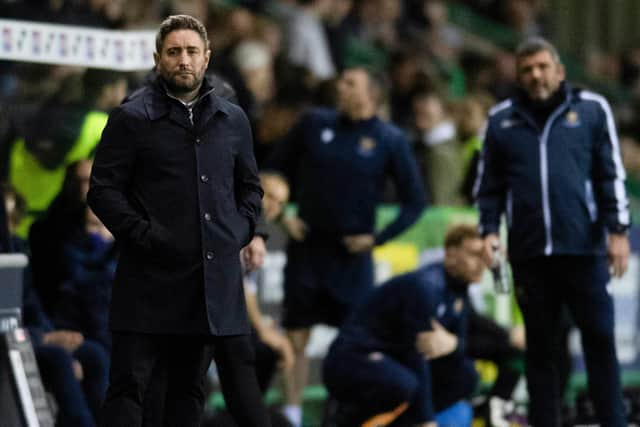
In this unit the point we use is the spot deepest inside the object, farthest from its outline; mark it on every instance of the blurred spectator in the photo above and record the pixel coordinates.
(504, 83)
(83, 303)
(371, 30)
(428, 28)
(275, 122)
(73, 369)
(307, 41)
(630, 66)
(374, 22)
(600, 65)
(404, 346)
(229, 29)
(253, 60)
(440, 150)
(65, 218)
(199, 9)
(339, 159)
(443, 39)
(407, 78)
(524, 16)
(59, 134)
(470, 118)
(338, 30)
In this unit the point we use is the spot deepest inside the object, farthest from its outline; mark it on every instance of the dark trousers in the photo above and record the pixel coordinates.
(78, 401)
(182, 363)
(543, 287)
(365, 385)
(489, 341)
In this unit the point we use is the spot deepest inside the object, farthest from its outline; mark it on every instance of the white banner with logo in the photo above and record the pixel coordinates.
(79, 46)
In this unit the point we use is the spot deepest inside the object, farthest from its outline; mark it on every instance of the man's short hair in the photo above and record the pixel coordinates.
(180, 22)
(457, 234)
(533, 45)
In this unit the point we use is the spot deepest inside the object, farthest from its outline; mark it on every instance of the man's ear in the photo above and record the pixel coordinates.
(207, 56)
(156, 58)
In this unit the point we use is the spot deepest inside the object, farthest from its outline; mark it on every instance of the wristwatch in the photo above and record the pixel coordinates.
(619, 229)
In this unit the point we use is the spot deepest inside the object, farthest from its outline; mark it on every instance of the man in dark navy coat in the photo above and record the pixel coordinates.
(175, 181)
(338, 162)
(406, 343)
(551, 162)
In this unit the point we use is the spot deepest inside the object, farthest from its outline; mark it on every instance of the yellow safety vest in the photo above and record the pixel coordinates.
(38, 185)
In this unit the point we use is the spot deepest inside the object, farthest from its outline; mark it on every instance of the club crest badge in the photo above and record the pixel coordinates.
(366, 146)
(458, 305)
(572, 119)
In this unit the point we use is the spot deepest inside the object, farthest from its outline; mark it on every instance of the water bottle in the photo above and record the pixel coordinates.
(500, 271)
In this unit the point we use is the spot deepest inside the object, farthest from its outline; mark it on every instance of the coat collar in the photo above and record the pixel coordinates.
(158, 103)
(522, 105)
(521, 102)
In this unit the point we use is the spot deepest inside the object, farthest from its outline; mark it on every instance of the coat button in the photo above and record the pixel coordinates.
(209, 255)
(207, 216)
(204, 178)
(198, 141)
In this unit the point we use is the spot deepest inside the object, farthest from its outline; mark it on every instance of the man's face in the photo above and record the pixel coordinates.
(276, 195)
(182, 61)
(539, 75)
(428, 112)
(354, 91)
(465, 262)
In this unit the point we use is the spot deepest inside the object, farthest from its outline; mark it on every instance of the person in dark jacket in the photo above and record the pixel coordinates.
(338, 162)
(175, 181)
(551, 162)
(91, 258)
(63, 220)
(406, 344)
(74, 368)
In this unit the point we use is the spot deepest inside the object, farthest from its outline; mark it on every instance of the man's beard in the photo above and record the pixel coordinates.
(179, 88)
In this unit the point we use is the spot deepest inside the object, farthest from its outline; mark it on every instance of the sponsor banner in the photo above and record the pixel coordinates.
(79, 46)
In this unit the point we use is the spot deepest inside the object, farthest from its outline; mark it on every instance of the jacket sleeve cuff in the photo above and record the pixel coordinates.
(618, 228)
(486, 229)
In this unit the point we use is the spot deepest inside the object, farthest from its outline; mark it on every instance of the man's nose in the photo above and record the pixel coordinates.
(536, 73)
(184, 58)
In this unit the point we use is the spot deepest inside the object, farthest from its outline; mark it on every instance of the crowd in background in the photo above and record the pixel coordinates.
(280, 57)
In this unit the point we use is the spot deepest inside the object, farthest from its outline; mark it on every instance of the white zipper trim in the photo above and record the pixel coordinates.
(622, 202)
(544, 178)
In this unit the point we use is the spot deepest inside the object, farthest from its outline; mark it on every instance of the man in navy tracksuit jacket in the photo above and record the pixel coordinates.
(380, 358)
(551, 162)
(338, 162)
